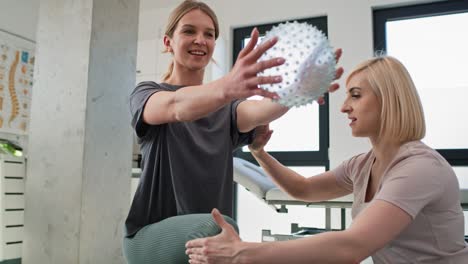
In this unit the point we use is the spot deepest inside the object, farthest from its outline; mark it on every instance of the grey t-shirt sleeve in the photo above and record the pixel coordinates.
(413, 184)
(138, 99)
(239, 139)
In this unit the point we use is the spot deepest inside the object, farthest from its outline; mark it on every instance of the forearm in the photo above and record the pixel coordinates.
(253, 113)
(329, 247)
(287, 179)
(194, 102)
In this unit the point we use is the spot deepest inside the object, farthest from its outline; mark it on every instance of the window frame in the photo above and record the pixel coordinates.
(456, 157)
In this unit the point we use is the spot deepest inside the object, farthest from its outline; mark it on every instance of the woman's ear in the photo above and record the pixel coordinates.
(167, 43)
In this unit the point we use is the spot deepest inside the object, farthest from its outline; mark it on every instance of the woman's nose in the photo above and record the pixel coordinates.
(345, 108)
(199, 39)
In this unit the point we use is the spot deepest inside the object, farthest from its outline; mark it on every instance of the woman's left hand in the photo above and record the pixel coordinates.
(262, 136)
(221, 248)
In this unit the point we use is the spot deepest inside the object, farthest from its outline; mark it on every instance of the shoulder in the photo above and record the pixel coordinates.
(351, 167)
(359, 161)
(417, 153)
(145, 89)
(422, 163)
(147, 85)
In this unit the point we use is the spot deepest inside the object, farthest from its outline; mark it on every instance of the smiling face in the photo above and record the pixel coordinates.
(193, 41)
(362, 107)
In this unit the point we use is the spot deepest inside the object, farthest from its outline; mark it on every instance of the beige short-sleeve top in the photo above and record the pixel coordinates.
(422, 183)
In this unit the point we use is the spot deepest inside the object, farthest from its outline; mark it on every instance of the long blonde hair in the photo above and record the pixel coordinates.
(402, 116)
(177, 14)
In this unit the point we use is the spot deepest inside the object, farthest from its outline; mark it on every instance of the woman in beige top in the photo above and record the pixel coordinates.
(406, 196)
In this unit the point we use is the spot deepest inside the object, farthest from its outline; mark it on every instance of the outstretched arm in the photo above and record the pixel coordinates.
(370, 231)
(317, 188)
(193, 102)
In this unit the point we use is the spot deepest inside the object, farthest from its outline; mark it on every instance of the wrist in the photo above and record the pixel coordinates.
(257, 152)
(223, 89)
(242, 256)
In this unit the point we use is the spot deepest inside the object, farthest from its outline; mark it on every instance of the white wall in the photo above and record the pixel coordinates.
(19, 17)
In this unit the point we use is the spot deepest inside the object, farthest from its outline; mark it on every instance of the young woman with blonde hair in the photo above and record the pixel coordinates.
(406, 205)
(188, 131)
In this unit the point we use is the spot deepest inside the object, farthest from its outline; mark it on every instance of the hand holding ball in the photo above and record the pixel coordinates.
(310, 63)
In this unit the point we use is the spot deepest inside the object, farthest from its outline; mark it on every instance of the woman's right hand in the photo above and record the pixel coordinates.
(242, 81)
(262, 136)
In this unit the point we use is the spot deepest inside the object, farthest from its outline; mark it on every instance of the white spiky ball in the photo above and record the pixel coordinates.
(310, 63)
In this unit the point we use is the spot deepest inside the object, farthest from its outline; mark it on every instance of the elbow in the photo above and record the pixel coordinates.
(354, 251)
(246, 122)
(299, 192)
(179, 114)
(353, 257)
(184, 117)
(297, 195)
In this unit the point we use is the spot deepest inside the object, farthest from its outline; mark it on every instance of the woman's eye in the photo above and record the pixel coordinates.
(355, 95)
(210, 35)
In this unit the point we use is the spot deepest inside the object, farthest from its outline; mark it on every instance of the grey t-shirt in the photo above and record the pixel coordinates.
(186, 166)
(422, 183)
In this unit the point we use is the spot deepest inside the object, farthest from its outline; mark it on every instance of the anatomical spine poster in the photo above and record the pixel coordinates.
(16, 82)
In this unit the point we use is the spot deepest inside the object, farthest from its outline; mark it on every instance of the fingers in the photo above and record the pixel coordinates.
(219, 219)
(197, 259)
(262, 131)
(333, 87)
(195, 251)
(259, 80)
(227, 229)
(256, 80)
(339, 73)
(196, 243)
(257, 52)
(338, 53)
(251, 45)
(321, 100)
(266, 64)
(268, 135)
(264, 93)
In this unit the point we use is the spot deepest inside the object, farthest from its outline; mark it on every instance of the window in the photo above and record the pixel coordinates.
(300, 141)
(431, 41)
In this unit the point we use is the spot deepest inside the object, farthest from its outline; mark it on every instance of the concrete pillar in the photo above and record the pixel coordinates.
(80, 139)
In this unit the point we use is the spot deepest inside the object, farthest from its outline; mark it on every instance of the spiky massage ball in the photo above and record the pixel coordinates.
(310, 63)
